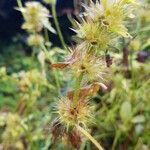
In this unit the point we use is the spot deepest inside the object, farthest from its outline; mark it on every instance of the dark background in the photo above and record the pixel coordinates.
(11, 20)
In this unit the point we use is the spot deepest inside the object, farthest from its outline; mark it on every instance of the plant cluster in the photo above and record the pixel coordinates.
(100, 25)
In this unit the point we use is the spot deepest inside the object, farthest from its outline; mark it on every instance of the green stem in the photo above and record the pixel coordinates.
(19, 3)
(54, 70)
(46, 36)
(57, 26)
(77, 89)
(89, 137)
(118, 133)
(131, 62)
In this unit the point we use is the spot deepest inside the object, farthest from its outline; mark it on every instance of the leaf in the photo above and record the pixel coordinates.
(8, 86)
(126, 111)
(88, 90)
(71, 60)
(48, 26)
(138, 119)
(139, 128)
(60, 65)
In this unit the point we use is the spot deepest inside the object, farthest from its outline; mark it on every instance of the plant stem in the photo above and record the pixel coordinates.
(131, 62)
(116, 139)
(54, 70)
(19, 3)
(46, 36)
(58, 27)
(89, 137)
(77, 89)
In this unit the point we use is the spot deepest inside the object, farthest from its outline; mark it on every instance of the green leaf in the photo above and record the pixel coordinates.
(126, 111)
(138, 119)
(8, 86)
(48, 26)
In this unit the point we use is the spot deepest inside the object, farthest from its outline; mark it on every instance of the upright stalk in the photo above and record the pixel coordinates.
(118, 133)
(19, 3)
(46, 36)
(89, 137)
(54, 70)
(77, 89)
(57, 26)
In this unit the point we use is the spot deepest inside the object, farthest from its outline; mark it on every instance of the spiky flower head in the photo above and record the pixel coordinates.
(109, 14)
(92, 67)
(71, 115)
(36, 17)
(85, 62)
(104, 22)
(93, 35)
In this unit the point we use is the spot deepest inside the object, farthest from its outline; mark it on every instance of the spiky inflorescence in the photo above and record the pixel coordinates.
(94, 36)
(36, 17)
(92, 67)
(71, 115)
(103, 23)
(111, 16)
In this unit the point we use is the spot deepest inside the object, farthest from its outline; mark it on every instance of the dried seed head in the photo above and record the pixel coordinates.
(84, 62)
(92, 67)
(71, 115)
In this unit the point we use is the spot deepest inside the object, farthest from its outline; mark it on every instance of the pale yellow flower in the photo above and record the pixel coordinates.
(36, 17)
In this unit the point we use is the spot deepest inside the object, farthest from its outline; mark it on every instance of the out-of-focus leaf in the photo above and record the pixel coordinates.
(8, 86)
(139, 128)
(48, 26)
(60, 65)
(88, 90)
(126, 111)
(138, 119)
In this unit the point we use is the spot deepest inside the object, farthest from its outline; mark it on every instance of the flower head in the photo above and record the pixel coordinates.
(92, 67)
(102, 20)
(94, 35)
(36, 17)
(71, 115)
(87, 63)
